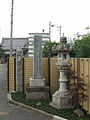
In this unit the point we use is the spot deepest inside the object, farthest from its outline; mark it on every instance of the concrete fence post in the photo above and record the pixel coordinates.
(19, 70)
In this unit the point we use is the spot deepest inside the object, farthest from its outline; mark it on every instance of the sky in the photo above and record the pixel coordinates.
(35, 15)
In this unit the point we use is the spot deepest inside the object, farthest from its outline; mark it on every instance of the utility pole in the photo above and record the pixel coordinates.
(50, 30)
(50, 25)
(59, 28)
(60, 32)
(11, 31)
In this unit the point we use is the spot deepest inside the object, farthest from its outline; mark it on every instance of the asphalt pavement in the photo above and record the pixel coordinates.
(11, 112)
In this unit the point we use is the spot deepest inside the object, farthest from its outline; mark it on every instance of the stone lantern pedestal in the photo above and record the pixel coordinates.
(62, 97)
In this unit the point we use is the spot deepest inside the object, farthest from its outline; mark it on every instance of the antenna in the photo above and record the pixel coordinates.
(11, 31)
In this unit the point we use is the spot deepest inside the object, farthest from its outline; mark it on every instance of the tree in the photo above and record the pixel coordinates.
(47, 49)
(82, 47)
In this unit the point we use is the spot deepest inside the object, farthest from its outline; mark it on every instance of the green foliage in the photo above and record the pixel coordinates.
(2, 54)
(82, 47)
(47, 49)
(65, 113)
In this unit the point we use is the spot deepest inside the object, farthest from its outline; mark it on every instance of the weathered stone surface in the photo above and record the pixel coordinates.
(37, 82)
(33, 93)
(79, 112)
(39, 104)
(19, 70)
(37, 89)
(62, 97)
(37, 79)
(37, 63)
(63, 47)
(61, 100)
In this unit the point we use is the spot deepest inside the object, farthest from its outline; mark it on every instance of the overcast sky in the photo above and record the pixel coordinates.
(34, 15)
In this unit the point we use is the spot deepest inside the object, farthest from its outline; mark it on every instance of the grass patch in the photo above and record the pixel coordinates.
(66, 113)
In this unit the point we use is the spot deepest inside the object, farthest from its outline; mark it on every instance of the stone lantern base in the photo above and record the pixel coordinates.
(61, 100)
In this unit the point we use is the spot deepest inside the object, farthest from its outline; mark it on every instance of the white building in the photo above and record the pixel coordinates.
(45, 38)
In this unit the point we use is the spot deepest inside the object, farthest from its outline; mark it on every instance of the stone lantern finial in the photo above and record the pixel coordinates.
(63, 40)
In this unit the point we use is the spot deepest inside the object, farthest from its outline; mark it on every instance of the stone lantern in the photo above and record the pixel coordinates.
(62, 97)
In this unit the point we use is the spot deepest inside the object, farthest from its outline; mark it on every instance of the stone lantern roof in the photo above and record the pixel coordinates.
(63, 47)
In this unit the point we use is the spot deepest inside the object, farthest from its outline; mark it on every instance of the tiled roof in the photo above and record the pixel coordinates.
(16, 43)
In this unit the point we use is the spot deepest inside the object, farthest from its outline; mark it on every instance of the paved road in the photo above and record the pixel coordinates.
(11, 112)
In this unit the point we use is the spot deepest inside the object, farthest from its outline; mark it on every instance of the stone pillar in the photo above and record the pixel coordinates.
(37, 79)
(37, 88)
(37, 53)
(19, 70)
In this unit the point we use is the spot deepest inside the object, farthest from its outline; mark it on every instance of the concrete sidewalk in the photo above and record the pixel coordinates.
(11, 112)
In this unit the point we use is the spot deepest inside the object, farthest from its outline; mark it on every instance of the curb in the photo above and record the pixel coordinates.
(1, 65)
(26, 107)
